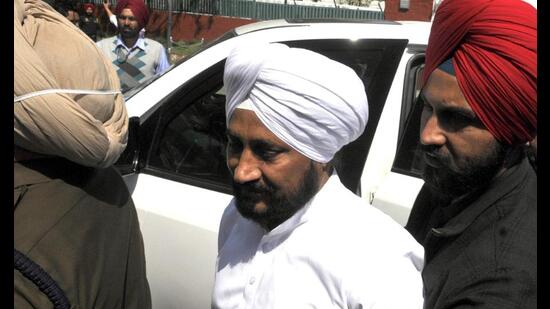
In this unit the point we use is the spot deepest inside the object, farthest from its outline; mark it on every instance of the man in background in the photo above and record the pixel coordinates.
(113, 20)
(88, 22)
(136, 59)
(476, 215)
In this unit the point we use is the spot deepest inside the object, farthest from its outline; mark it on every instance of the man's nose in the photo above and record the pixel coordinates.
(431, 132)
(247, 168)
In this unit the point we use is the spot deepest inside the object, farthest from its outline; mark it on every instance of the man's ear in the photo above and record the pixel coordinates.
(326, 168)
(323, 171)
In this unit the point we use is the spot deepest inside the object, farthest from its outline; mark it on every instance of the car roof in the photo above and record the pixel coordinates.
(416, 32)
(296, 22)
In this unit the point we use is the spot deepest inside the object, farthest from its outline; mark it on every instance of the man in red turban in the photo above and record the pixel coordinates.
(136, 58)
(87, 6)
(138, 8)
(89, 23)
(476, 215)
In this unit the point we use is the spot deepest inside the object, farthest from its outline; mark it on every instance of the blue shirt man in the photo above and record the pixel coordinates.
(135, 58)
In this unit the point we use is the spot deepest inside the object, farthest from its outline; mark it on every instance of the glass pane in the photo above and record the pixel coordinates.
(409, 160)
(193, 142)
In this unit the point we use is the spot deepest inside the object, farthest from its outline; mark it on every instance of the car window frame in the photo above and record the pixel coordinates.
(406, 159)
(196, 88)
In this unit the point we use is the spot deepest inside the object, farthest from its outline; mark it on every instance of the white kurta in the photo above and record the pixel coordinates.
(336, 252)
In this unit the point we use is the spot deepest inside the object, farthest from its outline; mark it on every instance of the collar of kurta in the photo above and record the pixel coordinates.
(140, 43)
(468, 211)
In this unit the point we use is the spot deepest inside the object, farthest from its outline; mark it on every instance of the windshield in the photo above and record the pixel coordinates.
(130, 92)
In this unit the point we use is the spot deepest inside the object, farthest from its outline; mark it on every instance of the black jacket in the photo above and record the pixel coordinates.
(482, 252)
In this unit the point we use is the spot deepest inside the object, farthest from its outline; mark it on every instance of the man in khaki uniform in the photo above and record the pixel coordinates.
(77, 242)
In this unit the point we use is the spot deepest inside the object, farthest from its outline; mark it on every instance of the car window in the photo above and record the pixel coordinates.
(128, 93)
(408, 160)
(193, 142)
(185, 137)
(375, 61)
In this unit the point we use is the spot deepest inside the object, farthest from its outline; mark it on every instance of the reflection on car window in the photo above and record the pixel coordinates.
(375, 61)
(128, 93)
(193, 142)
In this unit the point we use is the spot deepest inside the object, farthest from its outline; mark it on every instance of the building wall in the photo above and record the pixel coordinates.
(188, 27)
(420, 10)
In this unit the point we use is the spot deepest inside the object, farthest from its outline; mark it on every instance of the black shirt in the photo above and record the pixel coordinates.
(90, 26)
(481, 252)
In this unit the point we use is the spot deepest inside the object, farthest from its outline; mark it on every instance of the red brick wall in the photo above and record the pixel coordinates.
(188, 27)
(418, 10)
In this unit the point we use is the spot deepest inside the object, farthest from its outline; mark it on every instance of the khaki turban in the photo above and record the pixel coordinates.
(51, 53)
(314, 104)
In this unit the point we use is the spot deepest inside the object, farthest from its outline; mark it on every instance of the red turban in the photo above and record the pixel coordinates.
(138, 7)
(88, 5)
(493, 45)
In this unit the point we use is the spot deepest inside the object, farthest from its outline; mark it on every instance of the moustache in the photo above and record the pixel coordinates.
(252, 189)
(433, 156)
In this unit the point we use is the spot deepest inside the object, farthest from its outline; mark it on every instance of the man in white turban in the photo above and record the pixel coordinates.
(294, 236)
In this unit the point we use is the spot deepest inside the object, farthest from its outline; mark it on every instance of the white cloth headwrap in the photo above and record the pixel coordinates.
(314, 104)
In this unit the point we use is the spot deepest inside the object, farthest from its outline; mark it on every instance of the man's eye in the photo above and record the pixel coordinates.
(268, 155)
(454, 121)
(127, 17)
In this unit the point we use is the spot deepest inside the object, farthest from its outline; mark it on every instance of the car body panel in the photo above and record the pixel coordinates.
(172, 220)
(395, 195)
(378, 181)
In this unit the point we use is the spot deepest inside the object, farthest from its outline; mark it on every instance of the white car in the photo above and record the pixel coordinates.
(175, 165)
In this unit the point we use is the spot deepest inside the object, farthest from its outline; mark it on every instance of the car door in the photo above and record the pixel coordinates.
(397, 191)
(176, 170)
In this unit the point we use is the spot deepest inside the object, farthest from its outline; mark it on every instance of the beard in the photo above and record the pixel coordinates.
(279, 205)
(452, 180)
(128, 33)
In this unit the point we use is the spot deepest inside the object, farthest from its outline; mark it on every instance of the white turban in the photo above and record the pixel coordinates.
(314, 104)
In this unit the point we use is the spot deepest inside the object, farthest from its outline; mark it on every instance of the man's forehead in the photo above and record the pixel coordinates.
(443, 88)
(127, 12)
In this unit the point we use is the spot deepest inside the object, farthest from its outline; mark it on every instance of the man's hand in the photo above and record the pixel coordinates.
(106, 7)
